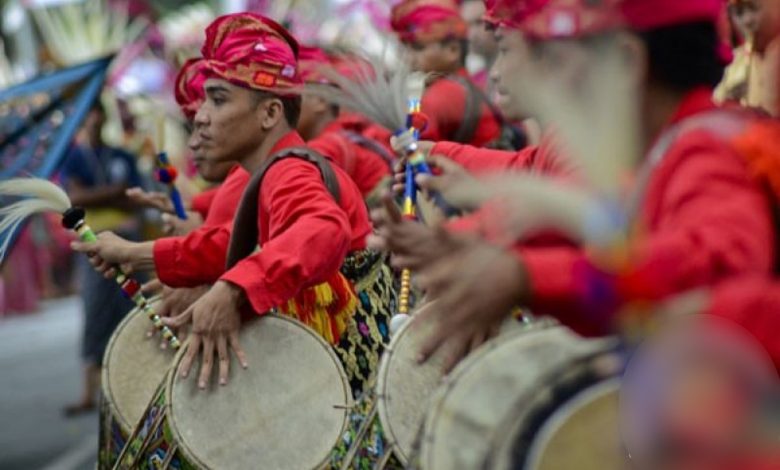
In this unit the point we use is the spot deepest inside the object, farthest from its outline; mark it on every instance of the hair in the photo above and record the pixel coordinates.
(685, 56)
(464, 47)
(290, 104)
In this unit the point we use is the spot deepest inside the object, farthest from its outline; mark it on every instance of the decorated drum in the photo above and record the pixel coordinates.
(133, 368)
(479, 393)
(287, 410)
(569, 421)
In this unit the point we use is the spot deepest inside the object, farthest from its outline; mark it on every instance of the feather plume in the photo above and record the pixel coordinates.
(39, 196)
(374, 91)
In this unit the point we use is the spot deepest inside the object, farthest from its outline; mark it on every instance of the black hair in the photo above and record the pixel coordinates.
(291, 105)
(685, 56)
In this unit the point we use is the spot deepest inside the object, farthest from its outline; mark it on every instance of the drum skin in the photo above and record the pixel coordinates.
(134, 366)
(404, 387)
(287, 410)
(480, 392)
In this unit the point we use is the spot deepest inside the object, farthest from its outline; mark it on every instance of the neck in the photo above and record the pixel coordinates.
(660, 104)
(255, 159)
(321, 124)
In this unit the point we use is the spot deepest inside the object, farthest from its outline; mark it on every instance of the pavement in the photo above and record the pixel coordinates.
(40, 372)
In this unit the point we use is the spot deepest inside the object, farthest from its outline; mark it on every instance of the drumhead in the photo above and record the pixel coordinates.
(133, 367)
(404, 387)
(482, 389)
(287, 410)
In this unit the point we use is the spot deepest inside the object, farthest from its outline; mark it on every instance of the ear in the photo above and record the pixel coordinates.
(271, 113)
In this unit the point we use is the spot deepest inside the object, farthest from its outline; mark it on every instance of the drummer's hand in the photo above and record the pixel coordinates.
(449, 174)
(108, 251)
(174, 226)
(215, 322)
(153, 287)
(154, 200)
(174, 303)
(475, 287)
(413, 244)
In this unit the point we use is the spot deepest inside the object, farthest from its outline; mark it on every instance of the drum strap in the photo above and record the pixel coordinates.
(245, 235)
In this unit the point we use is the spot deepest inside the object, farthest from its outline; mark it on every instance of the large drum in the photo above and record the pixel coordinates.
(482, 390)
(287, 410)
(133, 368)
(569, 421)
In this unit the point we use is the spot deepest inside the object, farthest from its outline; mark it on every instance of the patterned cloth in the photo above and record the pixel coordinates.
(427, 21)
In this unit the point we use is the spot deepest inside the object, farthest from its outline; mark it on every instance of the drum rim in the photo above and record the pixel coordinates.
(105, 373)
(443, 391)
(170, 380)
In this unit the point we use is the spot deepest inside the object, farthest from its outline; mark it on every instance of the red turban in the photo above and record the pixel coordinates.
(643, 15)
(252, 51)
(564, 19)
(427, 21)
(311, 60)
(189, 86)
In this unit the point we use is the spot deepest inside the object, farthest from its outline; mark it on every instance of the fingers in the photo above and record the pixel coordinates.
(180, 320)
(152, 287)
(193, 347)
(457, 348)
(391, 209)
(236, 347)
(206, 362)
(376, 242)
(83, 247)
(224, 359)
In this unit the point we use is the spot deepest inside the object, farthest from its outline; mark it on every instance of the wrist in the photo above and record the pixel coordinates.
(235, 292)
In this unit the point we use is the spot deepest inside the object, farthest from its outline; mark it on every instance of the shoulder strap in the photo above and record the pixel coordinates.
(471, 114)
(244, 237)
(370, 145)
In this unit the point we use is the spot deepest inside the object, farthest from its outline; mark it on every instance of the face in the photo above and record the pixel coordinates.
(229, 125)
(213, 172)
(481, 40)
(313, 110)
(434, 57)
(767, 28)
(512, 59)
(746, 19)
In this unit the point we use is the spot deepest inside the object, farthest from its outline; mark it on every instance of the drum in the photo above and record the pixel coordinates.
(569, 421)
(479, 393)
(133, 368)
(386, 420)
(287, 410)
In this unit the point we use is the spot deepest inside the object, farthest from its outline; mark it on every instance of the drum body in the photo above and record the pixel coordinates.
(134, 367)
(287, 410)
(479, 393)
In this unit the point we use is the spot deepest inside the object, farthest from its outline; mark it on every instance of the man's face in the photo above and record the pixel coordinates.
(481, 40)
(213, 172)
(433, 57)
(228, 123)
(312, 110)
(512, 59)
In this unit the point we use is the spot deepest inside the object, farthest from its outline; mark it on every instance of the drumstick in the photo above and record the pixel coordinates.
(48, 197)
(166, 172)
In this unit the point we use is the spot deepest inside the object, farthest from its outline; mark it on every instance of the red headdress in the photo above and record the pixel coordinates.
(189, 86)
(643, 15)
(558, 19)
(428, 21)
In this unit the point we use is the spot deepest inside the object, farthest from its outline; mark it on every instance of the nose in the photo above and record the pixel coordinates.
(201, 118)
(494, 74)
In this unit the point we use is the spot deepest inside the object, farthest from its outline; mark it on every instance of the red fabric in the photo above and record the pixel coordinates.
(512, 13)
(643, 15)
(444, 103)
(252, 51)
(305, 235)
(563, 19)
(201, 203)
(189, 86)
(311, 60)
(754, 304)
(199, 257)
(704, 219)
(428, 21)
(366, 168)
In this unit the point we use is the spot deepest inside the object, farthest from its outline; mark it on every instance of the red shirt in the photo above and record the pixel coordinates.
(199, 257)
(305, 234)
(201, 202)
(444, 102)
(704, 220)
(366, 168)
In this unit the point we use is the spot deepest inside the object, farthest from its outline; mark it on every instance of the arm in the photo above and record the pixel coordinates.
(101, 196)
(192, 260)
(308, 237)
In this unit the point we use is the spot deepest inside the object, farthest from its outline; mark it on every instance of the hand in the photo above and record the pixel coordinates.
(154, 200)
(152, 287)
(174, 303)
(413, 244)
(400, 144)
(174, 226)
(475, 288)
(215, 322)
(449, 175)
(107, 252)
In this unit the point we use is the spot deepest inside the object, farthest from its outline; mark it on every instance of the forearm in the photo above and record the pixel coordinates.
(141, 256)
(105, 196)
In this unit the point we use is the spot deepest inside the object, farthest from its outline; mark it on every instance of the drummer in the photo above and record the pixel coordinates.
(313, 247)
(705, 217)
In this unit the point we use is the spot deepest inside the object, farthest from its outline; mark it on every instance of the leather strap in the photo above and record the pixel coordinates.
(471, 115)
(245, 235)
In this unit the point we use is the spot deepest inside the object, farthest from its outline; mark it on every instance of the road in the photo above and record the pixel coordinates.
(40, 372)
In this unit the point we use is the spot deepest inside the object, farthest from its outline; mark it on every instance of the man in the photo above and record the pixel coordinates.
(763, 90)
(436, 40)
(96, 176)
(704, 217)
(250, 114)
(482, 43)
(341, 136)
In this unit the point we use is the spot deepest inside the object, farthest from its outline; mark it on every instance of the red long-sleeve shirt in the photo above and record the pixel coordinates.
(444, 102)
(304, 233)
(202, 202)
(199, 257)
(704, 218)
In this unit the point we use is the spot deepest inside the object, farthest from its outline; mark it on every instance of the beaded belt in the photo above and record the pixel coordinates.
(359, 264)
